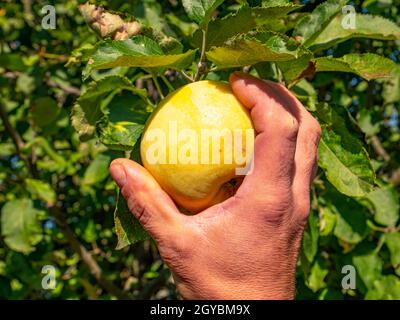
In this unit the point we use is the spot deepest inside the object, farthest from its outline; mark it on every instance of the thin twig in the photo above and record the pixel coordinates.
(278, 73)
(186, 76)
(67, 89)
(156, 83)
(68, 233)
(167, 83)
(85, 255)
(395, 177)
(18, 142)
(202, 66)
(379, 149)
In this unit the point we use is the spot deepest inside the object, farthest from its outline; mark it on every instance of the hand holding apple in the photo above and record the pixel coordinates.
(245, 247)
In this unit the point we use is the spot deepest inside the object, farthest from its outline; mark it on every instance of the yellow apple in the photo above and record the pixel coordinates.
(196, 142)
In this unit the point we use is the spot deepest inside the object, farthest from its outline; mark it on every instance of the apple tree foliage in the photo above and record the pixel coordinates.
(77, 96)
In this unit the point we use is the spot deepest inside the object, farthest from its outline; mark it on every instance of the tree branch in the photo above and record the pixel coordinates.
(68, 233)
(379, 149)
(85, 255)
(202, 65)
(18, 142)
(395, 177)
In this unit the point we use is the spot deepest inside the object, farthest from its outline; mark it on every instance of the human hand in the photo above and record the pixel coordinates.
(247, 246)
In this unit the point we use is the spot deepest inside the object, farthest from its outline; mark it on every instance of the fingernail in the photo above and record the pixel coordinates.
(118, 174)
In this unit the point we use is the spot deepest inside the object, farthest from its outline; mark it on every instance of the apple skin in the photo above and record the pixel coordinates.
(171, 146)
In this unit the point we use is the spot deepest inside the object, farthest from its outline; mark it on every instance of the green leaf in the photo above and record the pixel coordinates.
(25, 84)
(295, 70)
(341, 154)
(367, 65)
(306, 93)
(12, 61)
(90, 233)
(168, 44)
(386, 203)
(351, 219)
(20, 226)
(385, 288)
(392, 241)
(327, 221)
(186, 28)
(120, 136)
(243, 21)
(369, 268)
(139, 51)
(251, 49)
(311, 26)
(44, 111)
(310, 237)
(345, 163)
(369, 120)
(97, 170)
(124, 122)
(88, 109)
(330, 294)
(319, 271)
(41, 190)
(127, 227)
(201, 10)
(367, 26)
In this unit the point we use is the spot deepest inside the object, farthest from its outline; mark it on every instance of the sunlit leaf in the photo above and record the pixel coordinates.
(201, 10)
(310, 238)
(20, 225)
(392, 241)
(123, 123)
(311, 26)
(41, 190)
(386, 203)
(367, 26)
(368, 65)
(128, 228)
(139, 51)
(251, 49)
(88, 109)
(245, 20)
(385, 288)
(341, 154)
(97, 170)
(319, 271)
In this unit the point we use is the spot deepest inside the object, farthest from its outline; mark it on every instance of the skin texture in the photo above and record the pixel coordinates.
(247, 246)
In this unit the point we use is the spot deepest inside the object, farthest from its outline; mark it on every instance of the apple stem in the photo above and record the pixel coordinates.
(202, 65)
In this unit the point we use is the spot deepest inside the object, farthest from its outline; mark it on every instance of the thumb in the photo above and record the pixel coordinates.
(151, 205)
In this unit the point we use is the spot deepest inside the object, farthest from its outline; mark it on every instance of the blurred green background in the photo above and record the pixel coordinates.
(57, 199)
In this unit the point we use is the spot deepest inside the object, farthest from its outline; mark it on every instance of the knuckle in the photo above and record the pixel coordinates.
(313, 134)
(303, 211)
(289, 126)
(314, 128)
(275, 210)
(317, 126)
